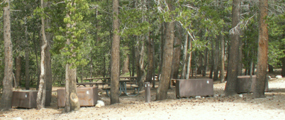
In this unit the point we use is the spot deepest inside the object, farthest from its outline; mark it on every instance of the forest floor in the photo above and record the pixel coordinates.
(219, 107)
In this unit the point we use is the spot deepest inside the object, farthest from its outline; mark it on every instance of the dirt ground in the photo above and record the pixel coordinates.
(241, 106)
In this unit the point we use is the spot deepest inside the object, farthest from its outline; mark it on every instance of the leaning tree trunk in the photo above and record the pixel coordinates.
(42, 86)
(6, 97)
(115, 55)
(166, 65)
(259, 86)
(233, 51)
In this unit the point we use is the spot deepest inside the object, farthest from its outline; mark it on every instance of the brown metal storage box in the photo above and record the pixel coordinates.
(194, 87)
(87, 96)
(24, 98)
(245, 84)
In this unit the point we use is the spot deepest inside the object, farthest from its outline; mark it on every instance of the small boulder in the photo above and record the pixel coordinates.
(100, 103)
(278, 77)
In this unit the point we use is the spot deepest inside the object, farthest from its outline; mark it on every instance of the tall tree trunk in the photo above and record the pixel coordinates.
(6, 97)
(36, 53)
(189, 59)
(222, 69)
(41, 96)
(71, 98)
(150, 54)
(233, 51)
(115, 55)
(161, 52)
(167, 60)
(185, 48)
(48, 70)
(283, 67)
(212, 59)
(176, 58)
(259, 86)
(240, 58)
(133, 61)
(125, 68)
(140, 62)
(270, 68)
(205, 63)
(216, 60)
(27, 60)
(18, 70)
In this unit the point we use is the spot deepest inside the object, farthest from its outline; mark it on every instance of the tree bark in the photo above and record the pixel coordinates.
(133, 56)
(115, 55)
(222, 71)
(48, 69)
(176, 58)
(161, 47)
(216, 60)
(125, 68)
(185, 48)
(189, 58)
(150, 54)
(205, 63)
(240, 58)
(259, 86)
(18, 70)
(42, 86)
(283, 67)
(37, 63)
(6, 97)
(167, 60)
(270, 68)
(140, 62)
(27, 60)
(233, 51)
(71, 99)
(212, 59)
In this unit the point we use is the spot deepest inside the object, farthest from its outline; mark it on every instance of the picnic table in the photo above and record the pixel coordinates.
(127, 86)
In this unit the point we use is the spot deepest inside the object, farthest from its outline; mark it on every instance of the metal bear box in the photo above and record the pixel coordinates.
(24, 98)
(194, 87)
(245, 84)
(87, 96)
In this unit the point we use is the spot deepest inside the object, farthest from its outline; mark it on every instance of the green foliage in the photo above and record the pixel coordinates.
(131, 22)
(277, 41)
(73, 32)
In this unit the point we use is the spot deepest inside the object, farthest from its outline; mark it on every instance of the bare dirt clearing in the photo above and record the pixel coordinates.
(237, 107)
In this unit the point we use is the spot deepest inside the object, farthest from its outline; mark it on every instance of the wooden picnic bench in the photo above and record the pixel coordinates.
(92, 83)
(126, 86)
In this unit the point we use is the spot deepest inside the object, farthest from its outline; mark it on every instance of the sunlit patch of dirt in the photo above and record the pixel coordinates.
(240, 106)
